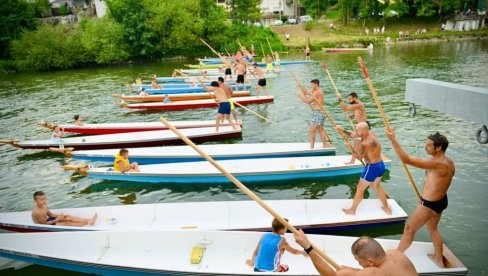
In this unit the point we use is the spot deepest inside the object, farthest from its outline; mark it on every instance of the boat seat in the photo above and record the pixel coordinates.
(196, 254)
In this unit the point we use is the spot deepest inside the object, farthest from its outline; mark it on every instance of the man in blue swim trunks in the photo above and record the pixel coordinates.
(370, 150)
(222, 100)
(439, 171)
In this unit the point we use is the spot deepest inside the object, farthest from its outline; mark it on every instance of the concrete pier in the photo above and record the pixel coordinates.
(467, 102)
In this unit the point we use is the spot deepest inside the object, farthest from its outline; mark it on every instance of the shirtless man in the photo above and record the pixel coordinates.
(261, 80)
(228, 68)
(439, 171)
(316, 99)
(155, 84)
(240, 70)
(357, 107)
(78, 120)
(223, 102)
(42, 215)
(369, 254)
(370, 150)
(229, 93)
(307, 53)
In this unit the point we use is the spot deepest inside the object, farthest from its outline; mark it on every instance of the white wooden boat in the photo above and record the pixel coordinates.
(246, 170)
(111, 128)
(174, 154)
(127, 140)
(172, 252)
(318, 216)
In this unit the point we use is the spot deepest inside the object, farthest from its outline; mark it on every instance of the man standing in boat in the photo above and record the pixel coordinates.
(370, 150)
(315, 99)
(229, 93)
(439, 171)
(222, 101)
(228, 68)
(240, 71)
(369, 254)
(359, 110)
(261, 80)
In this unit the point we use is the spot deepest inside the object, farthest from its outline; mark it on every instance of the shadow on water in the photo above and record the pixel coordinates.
(39, 155)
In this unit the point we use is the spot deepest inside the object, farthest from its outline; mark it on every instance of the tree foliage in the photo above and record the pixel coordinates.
(16, 16)
(245, 10)
(315, 8)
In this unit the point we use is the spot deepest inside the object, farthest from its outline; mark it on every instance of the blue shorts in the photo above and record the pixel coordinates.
(373, 171)
(224, 108)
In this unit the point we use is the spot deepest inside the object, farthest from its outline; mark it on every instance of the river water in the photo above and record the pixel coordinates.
(56, 96)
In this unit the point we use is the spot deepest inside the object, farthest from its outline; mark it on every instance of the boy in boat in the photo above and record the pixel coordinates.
(122, 164)
(439, 171)
(359, 110)
(57, 133)
(223, 102)
(266, 257)
(78, 120)
(228, 91)
(261, 80)
(155, 84)
(42, 215)
(315, 98)
(166, 99)
(370, 150)
(369, 254)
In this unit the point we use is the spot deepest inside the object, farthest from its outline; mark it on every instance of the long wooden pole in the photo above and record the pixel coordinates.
(338, 95)
(271, 49)
(262, 49)
(246, 190)
(387, 124)
(262, 117)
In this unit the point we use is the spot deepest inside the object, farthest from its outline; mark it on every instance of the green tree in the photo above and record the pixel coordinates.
(15, 17)
(49, 47)
(245, 10)
(216, 27)
(132, 14)
(347, 8)
(42, 8)
(315, 8)
(104, 42)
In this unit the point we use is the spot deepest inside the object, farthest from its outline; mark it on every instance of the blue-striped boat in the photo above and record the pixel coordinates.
(178, 90)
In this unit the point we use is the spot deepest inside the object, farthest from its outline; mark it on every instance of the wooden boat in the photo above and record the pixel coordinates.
(205, 79)
(111, 128)
(127, 140)
(317, 215)
(208, 103)
(207, 82)
(187, 90)
(340, 50)
(217, 72)
(188, 252)
(246, 170)
(176, 97)
(176, 154)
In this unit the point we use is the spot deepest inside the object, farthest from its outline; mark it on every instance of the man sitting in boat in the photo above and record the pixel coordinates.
(78, 120)
(439, 171)
(270, 248)
(369, 254)
(42, 215)
(155, 84)
(122, 164)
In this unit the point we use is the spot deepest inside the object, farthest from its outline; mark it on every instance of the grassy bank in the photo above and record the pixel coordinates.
(353, 34)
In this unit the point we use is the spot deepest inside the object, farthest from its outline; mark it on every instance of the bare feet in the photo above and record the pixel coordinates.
(438, 261)
(349, 163)
(93, 219)
(387, 210)
(349, 212)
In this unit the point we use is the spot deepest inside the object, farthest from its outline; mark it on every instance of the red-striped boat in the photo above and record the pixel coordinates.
(209, 103)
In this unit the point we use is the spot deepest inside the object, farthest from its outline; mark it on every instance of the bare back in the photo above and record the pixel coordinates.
(220, 94)
(372, 148)
(438, 179)
(227, 89)
(260, 73)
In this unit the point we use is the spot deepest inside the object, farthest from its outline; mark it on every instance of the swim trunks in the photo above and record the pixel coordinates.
(224, 108)
(318, 118)
(262, 82)
(228, 71)
(373, 171)
(436, 206)
(240, 79)
(308, 54)
(50, 219)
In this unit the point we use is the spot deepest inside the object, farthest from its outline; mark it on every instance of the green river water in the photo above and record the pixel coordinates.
(56, 96)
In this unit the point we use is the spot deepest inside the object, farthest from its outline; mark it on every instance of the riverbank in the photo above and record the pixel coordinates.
(319, 34)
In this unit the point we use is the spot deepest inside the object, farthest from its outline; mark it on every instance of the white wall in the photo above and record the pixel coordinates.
(101, 8)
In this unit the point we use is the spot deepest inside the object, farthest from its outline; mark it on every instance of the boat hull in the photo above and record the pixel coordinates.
(178, 97)
(188, 89)
(183, 105)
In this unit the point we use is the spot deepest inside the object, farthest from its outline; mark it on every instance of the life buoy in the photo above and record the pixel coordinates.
(482, 135)
(412, 109)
